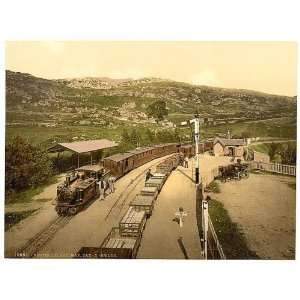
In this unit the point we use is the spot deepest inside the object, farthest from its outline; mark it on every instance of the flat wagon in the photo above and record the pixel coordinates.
(155, 182)
(133, 222)
(149, 190)
(143, 202)
(161, 176)
(113, 246)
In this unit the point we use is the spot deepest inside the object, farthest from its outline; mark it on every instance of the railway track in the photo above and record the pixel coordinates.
(35, 244)
(129, 188)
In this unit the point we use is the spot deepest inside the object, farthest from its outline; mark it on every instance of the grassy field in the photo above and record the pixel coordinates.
(28, 194)
(283, 128)
(229, 233)
(14, 218)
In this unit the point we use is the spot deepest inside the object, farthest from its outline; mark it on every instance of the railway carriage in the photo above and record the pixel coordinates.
(187, 150)
(120, 164)
(142, 155)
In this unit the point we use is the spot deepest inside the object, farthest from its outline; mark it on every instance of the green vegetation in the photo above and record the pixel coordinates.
(263, 148)
(26, 195)
(26, 166)
(229, 233)
(276, 127)
(14, 218)
(284, 152)
(213, 187)
(157, 110)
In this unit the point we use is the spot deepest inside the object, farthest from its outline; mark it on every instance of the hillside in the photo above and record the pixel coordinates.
(109, 103)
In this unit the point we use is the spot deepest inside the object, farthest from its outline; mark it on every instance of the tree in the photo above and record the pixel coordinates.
(135, 138)
(125, 136)
(25, 165)
(157, 110)
(150, 135)
(273, 149)
(177, 137)
(289, 154)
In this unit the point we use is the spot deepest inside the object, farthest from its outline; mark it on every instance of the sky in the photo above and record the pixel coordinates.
(263, 66)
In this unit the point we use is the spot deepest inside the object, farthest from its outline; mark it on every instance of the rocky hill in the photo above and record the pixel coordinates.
(99, 99)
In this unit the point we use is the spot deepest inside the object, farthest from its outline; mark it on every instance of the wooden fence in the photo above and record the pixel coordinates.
(273, 167)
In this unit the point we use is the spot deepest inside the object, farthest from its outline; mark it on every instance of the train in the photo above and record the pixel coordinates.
(124, 241)
(80, 186)
(78, 189)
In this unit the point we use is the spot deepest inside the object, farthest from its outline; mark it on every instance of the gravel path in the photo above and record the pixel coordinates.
(265, 207)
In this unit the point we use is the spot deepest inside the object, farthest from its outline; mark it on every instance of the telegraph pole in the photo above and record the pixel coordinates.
(197, 139)
(196, 122)
(199, 187)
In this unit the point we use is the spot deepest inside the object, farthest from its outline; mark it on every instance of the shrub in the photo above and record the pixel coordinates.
(25, 165)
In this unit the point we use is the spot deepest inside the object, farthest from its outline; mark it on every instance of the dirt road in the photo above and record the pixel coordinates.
(265, 208)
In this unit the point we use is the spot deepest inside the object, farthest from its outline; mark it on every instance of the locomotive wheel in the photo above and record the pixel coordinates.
(73, 211)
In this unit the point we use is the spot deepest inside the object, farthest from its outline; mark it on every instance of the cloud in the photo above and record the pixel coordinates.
(205, 77)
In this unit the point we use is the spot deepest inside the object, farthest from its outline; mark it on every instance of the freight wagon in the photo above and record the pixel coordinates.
(143, 202)
(113, 246)
(133, 222)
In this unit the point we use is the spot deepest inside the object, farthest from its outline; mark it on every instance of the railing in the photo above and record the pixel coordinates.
(215, 250)
(273, 167)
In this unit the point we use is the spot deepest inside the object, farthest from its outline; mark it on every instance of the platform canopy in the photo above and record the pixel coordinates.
(83, 146)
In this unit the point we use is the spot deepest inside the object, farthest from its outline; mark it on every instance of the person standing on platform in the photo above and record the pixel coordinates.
(111, 184)
(102, 186)
(186, 162)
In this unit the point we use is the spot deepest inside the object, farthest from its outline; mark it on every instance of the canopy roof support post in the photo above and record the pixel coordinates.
(91, 157)
(77, 160)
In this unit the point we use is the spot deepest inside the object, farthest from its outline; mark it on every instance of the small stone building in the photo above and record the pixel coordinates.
(229, 147)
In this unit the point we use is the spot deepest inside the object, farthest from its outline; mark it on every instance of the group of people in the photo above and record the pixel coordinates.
(106, 185)
(184, 161)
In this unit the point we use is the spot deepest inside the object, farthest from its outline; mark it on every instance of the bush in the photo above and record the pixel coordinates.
(25, 165)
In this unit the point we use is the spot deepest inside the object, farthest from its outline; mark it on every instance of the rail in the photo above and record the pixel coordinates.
(274, 167)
